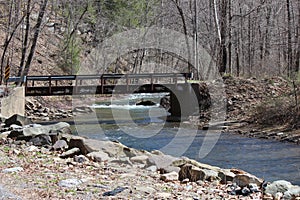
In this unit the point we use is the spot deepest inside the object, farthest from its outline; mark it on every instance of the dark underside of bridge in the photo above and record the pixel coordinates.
(106, 89)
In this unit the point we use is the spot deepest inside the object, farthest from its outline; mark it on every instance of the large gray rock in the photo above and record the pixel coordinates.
(60, 145)
(193, 173)
(278, 186)
(182, 161)
(112, 149)
(172, 176)
(76, 141)
(70, 153)
(131, 152)
(143, 159)
(288, 190)
(98, 156)
(292, 193)
(29, 132)
(17, 120)
(63, 127)
(162, 162)
(210, 175)
(243, 180)
(226, 175)
(41, 140)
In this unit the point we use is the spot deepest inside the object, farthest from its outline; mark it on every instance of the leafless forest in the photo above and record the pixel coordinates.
(245, 38)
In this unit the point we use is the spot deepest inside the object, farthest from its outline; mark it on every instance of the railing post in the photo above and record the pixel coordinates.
(127, 83)
(102, 84)
(50, 89)
(152, 86)
(26, 85)
(76, 86)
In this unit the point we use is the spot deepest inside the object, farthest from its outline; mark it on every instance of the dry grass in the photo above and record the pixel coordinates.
(281, 111)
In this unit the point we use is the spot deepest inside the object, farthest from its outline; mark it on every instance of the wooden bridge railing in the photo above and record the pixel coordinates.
(105, 83)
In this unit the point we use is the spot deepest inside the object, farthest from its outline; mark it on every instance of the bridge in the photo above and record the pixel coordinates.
(103, 84)
(181, 92)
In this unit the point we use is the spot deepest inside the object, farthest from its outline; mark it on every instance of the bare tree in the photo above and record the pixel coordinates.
(35, 39)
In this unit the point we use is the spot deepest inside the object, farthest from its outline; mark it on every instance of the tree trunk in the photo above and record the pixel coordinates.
(297, 58)
(289, 40)
(25, 42)
(35, 38)
(229, 37)
(9, 36)
(185, 31)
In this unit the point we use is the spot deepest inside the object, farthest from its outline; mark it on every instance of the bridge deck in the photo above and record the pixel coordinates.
(103, 84)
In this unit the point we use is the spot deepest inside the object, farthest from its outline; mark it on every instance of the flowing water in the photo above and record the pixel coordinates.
(144, 127)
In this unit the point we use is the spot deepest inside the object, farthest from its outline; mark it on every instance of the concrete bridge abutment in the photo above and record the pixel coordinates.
(183, 102)
(13, 103)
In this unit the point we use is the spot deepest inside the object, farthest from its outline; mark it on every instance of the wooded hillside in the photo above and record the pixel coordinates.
(245, 38)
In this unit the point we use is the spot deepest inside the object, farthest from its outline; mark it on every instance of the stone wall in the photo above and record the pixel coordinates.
(14, 103)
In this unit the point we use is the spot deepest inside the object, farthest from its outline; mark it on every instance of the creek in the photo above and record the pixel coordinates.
(144, 127)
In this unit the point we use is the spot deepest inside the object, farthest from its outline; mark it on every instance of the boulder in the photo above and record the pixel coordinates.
(165, 102)
(288, 190)
(17, 120)
(62, 127)
(113, 149)
(143, 159)
(292, 193)
(226, 175)
(41, 140)
(278, 186)
(210, 175)
(33, 131)
(161, 161)
(243, 180)
(76, 141)
(182, 161)
(70, 153)
(98, 156)
(172, 176)
(60, 145)
(191, 172)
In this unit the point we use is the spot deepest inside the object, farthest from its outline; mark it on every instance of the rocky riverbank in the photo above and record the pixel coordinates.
(47, 162)
(265, 108)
